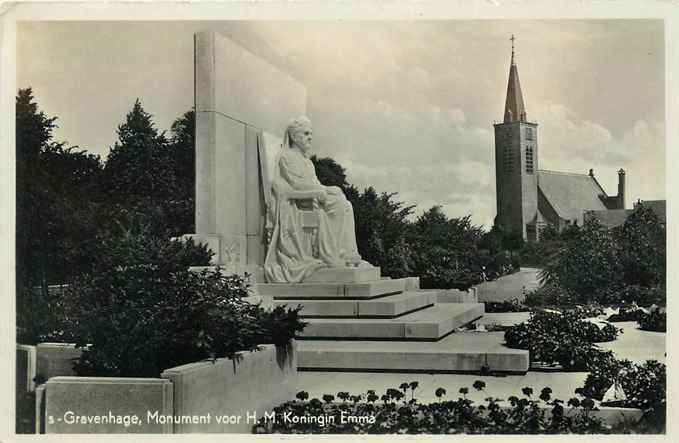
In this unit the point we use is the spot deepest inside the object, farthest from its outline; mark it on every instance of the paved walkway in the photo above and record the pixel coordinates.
(509, 286)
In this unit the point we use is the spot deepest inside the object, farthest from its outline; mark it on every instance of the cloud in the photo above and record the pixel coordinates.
(405, 106)
(569, 143)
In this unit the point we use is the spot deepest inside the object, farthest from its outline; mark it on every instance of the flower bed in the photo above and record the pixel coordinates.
(563, 338)
(397, 411)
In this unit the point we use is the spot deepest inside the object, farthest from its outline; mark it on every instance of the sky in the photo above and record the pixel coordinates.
(404, 106)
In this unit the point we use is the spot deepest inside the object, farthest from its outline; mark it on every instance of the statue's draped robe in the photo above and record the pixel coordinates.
(287, 258)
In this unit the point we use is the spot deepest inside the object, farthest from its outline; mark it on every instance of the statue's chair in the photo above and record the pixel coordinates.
(270, 148)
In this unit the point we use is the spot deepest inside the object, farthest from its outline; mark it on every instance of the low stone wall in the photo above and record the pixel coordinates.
(25, 368)
(108, 405)
(233, 393)
(457, 296)
(55, 359)
(226, 396)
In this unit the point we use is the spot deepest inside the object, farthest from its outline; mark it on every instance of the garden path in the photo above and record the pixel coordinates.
(509, 286)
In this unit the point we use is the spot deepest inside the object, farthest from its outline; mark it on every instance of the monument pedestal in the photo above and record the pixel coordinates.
(359, 321)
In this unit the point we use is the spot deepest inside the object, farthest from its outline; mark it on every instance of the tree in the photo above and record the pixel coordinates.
(381, 221)
(329, 172)
(587, 265)
(381, 227)
(57, 216)
(183, 153)
(33, 135)
(492, 240)
(445, 250)
(140, 172)
(642, 246)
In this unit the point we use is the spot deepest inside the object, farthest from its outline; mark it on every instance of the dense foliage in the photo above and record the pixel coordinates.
(609, 266)
(398, 412)
(565, 338)
(68, 199)
(444, 252)
(644, 386)
(141, 310)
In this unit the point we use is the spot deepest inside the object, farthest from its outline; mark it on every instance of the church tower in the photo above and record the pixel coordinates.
(516, 163)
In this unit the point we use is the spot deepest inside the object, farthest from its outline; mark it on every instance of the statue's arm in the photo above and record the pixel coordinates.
(301, 186)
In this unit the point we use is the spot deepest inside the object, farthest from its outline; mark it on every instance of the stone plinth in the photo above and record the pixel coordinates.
(232, 107)
(382, 307)
(106, 405)
(369, 289)
(251, 384)
(54, 359)
(458, 352)
(25, 368)
(344, 275)
(426, 324)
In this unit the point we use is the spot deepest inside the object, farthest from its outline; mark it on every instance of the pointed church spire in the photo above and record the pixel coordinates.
(514, 109)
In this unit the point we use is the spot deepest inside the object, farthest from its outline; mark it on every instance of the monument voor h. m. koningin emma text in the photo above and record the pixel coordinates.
(262, 210)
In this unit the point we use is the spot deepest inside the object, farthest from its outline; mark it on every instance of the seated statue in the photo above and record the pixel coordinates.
(296, 190)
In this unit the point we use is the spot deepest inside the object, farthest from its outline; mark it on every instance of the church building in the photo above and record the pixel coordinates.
(528, 197)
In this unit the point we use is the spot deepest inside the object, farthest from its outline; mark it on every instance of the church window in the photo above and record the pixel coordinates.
(508, 159)
(529, 133)
(529, 160)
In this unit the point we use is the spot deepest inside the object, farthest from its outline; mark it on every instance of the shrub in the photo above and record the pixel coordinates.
(589, 310)
(626, 313)
(548, 295)
(397, 412)
(563, 338)
(656, 320)
(150, 313)
(641, 296)
(645, 386)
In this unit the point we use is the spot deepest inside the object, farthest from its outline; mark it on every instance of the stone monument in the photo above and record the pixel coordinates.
(262, 210)
(232, 108)
(242, 194)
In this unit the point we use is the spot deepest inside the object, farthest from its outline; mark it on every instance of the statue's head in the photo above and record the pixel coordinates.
(300, 133)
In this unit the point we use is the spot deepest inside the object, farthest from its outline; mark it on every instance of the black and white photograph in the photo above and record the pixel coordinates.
(299, 224)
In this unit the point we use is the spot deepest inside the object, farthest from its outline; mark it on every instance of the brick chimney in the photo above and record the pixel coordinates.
(621, 189)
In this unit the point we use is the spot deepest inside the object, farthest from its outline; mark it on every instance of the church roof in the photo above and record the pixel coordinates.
(514, 108)
(610, 217)
(570, 194)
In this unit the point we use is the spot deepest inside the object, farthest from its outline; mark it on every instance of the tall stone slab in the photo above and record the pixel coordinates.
(237, 95)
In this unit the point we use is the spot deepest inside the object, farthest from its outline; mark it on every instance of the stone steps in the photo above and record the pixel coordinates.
(338, 291)
(427, 324)
(456, 353)
(382, 307)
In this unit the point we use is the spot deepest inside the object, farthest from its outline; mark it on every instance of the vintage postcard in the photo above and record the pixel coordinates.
(369, 219)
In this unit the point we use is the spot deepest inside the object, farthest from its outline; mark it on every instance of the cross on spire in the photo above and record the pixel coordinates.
(514, 108)
(512, 39)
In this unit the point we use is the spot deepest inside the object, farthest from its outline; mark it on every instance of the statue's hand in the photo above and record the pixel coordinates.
(333, 190)
(322, 195)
